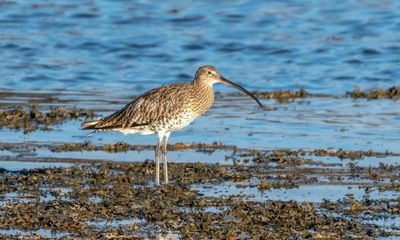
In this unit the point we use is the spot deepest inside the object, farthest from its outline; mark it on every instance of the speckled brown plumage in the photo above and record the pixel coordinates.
(166, 109)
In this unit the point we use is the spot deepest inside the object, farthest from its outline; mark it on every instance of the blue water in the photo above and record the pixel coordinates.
(123, 47)
(99, 54)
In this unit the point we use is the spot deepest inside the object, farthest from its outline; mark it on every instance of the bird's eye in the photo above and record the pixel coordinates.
(209, 72)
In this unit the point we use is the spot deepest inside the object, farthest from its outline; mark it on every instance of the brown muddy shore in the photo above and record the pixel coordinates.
(73, 199)
(110, 200)
(99, 199)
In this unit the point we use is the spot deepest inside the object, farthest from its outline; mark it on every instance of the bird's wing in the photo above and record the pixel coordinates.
(145, 109)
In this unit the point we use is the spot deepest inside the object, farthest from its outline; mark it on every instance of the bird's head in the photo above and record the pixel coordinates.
(209, 75)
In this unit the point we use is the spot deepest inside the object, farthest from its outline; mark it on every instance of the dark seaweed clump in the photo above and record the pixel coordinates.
(72, 200)
(283, 95)
(124, 147)
(375, 93)
(31, 118)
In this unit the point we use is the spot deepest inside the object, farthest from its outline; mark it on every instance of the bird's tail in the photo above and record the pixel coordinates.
(90, 125)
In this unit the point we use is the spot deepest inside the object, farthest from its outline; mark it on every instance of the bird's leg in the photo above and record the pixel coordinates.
(164, 151)
(157, 160)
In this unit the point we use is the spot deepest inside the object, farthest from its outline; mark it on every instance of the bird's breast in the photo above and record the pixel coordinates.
(202, 101)
(177, 121)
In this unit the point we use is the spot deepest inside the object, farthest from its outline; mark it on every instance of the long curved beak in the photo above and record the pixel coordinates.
(226, 81)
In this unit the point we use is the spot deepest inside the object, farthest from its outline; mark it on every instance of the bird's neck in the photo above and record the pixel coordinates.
(203, 96)
(203, 86)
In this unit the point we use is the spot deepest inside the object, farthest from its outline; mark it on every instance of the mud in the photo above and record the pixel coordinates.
(84, 201)
(322, 193)
(96, 192)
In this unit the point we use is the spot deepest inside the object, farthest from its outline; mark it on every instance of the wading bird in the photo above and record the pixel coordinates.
(164, 110)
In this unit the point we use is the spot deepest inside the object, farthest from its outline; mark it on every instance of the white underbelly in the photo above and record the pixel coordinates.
(127, 131)
(167, 125)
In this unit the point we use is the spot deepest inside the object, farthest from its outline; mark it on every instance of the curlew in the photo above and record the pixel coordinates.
(164, 110)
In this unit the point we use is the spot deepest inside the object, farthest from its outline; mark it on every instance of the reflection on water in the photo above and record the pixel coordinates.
(308, 193)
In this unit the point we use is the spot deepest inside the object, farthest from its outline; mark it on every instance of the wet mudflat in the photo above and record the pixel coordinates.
(239, 199)
(90, 188)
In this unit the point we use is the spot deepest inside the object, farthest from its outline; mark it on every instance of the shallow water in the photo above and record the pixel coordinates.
(20, 165)
(122, 48)
(130, 156)
(309, 124)
(309, 193)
